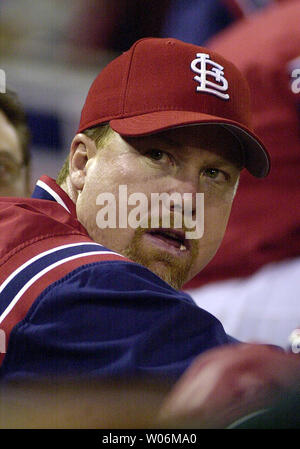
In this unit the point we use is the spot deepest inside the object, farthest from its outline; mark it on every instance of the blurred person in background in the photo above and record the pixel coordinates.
(116, 24)
(258, 264)
(14, 147)
(197, 21)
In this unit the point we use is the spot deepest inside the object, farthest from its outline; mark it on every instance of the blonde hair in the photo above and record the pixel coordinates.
(100, 135)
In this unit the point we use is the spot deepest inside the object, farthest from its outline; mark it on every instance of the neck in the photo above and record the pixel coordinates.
(68, 187)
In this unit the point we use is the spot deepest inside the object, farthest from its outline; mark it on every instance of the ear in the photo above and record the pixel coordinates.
(81, 151)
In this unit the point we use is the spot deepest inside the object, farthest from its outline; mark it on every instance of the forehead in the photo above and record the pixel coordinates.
(214, 140)
(9, 141)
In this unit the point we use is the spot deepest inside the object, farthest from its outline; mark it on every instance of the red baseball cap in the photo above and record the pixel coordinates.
(160, 84)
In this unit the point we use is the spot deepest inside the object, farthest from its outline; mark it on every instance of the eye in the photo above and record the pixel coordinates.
(212, 172)
(158, 155)
(215, 173)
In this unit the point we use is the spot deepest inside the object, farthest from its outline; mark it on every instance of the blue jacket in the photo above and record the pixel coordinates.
(69, 306)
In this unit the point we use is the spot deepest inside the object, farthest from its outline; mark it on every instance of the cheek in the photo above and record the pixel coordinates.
(86, 210)
(112, 237)
(216, 212)
(216, 216)
(115, 239)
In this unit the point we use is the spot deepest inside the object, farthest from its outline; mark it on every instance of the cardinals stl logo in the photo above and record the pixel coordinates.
(201, 65)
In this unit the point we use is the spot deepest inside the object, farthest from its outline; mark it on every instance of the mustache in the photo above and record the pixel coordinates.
(147, 226)
(173, 220)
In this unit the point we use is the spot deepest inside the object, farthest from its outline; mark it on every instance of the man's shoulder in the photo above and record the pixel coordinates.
(27, 220)
(113, 275)
(115, 318)
(30, 210)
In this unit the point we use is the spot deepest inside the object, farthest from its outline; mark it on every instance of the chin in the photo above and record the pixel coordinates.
(170, 275)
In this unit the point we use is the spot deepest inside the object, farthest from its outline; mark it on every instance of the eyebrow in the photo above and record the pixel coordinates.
(171, 142)
(219, 161)
(231, 159)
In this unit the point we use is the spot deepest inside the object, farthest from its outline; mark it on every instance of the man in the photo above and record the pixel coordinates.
(14, 147)
(87, 295)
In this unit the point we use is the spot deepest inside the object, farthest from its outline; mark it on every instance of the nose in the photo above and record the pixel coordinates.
(187, 190)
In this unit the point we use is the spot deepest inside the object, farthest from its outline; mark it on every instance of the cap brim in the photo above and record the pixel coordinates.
(257, 160)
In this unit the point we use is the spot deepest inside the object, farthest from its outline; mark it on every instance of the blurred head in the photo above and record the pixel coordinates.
(186, 143)
(14, 148)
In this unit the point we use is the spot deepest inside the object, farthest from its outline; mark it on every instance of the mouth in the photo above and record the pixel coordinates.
(172, 240)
